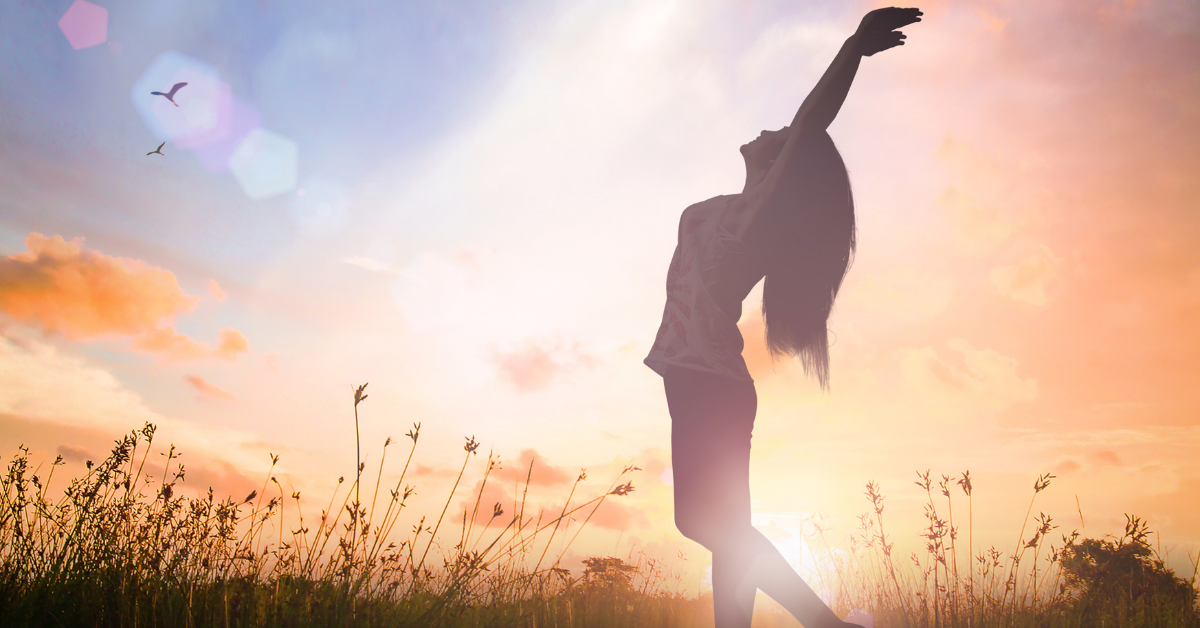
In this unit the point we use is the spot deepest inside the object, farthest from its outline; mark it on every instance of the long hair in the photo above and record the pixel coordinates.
(808, 247)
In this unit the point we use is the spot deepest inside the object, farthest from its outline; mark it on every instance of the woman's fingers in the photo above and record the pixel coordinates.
(889, 19)
(872, 43)
(899, 18)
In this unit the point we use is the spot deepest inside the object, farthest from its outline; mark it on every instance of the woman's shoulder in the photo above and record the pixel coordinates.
(713, 208)
(716, 202)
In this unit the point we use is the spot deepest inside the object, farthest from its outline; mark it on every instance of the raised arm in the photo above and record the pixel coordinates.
(876, 33)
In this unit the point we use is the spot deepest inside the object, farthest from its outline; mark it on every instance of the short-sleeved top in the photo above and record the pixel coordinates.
(711, 272)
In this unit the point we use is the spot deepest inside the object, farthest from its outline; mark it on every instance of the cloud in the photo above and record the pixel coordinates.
(533, 365)
(981, 199)
(432, 291)
(1026, 279)
(988, 381)
(493, 493)
(222, 477)
(83, 294)
(59, 400)
(232, 342)
(617, 516)
(369, 263)
(993, 22)
(79, 293)
(424, 470)
(543, 473)
(784, 48)
(215, 290)
(1066, 466)
(74, 454)
(206, 389)
(902, 291)
(11, 335)
(176, 346)
(79, 443)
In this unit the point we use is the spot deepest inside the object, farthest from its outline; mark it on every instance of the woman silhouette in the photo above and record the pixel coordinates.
(794, 224)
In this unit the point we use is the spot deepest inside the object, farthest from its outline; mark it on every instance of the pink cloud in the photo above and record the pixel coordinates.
(424, 470)
(1066, 466)
(222, 477)
(616, 516)
(493, 493)
(535, 364)
(543, 474)
(206, 389)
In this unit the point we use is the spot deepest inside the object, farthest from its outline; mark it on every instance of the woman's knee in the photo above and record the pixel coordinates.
(705, 529)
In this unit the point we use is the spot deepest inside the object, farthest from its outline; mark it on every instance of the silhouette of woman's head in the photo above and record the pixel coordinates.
(760, 153)
(807, 241)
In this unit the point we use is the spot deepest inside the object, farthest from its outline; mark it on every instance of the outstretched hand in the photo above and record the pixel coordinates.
(877, 31)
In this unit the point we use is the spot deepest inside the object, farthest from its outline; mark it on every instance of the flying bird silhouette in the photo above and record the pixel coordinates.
(171, 94)
(158, 150)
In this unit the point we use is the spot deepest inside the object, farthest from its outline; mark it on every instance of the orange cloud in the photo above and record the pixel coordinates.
(206, 389)
(83, 294)
(534, 365)
(215, 290)
(69, 290)
(177, 346)
(232, 343)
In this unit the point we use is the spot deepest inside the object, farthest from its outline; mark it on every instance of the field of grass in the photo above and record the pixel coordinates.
(119, 547)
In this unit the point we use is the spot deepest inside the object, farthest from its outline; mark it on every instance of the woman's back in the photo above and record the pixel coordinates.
(711, 272)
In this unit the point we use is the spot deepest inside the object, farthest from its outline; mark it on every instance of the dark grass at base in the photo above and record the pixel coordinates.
(300, 604)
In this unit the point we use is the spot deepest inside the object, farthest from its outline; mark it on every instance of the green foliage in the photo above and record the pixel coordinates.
(608, 573)
(1079, 584)
(1122, 578)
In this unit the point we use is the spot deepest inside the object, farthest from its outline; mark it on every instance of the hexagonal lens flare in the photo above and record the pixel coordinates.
(265, 164)
(243, 118)
(201, 111)
(84, 24)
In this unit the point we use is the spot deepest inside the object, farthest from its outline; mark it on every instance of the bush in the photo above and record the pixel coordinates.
(1123, 579)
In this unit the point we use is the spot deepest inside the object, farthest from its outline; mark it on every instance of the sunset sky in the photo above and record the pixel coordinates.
(473, 208)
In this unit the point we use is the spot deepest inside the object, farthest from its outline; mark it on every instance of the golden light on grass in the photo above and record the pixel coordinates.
(121, 543)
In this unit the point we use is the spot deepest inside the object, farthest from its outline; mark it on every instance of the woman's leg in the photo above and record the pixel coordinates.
(711, 421)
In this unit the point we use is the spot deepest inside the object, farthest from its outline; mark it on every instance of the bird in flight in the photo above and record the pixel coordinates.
(158, 150)
(171, 94)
